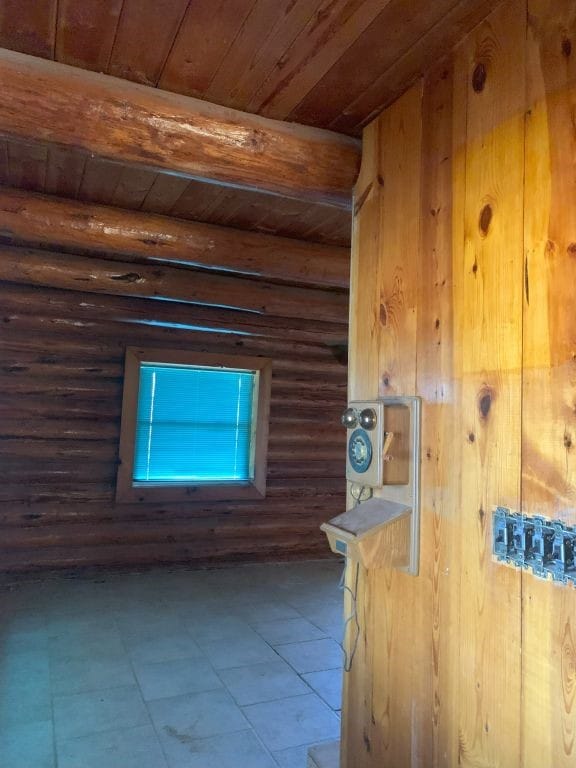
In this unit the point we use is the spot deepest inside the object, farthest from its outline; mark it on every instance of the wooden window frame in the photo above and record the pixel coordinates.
(129, 491)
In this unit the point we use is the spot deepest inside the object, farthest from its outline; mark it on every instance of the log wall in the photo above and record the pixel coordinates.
(463, 283)
(66, 320)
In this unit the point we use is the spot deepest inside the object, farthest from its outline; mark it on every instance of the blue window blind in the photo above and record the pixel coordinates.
(194, 424)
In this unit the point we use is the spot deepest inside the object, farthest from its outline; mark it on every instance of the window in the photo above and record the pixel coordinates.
(193, 426)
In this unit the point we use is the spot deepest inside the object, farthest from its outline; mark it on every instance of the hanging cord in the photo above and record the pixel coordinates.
(348, 660)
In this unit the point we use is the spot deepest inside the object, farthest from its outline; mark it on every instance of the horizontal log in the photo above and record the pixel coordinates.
(58, 270)
(104, 470)
(103, 492)
(37, 219)
(122, 557)
(20, 513)
(45, 101)
(18, 403)
(108, 335)
(82, 307)
(60, 429)
(160, 532)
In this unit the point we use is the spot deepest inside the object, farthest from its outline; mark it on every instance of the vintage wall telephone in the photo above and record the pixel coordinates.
(383, 467)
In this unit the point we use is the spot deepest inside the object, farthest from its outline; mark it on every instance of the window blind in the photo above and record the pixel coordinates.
(193, 424)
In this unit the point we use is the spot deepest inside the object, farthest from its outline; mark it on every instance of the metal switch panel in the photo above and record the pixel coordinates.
(546, 547)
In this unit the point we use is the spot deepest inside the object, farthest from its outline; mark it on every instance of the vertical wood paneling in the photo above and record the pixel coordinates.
(394, 706)
(549, 393)
(488, 324)
(498, 400)
(364, 336)
(439, 556)
(403, 698)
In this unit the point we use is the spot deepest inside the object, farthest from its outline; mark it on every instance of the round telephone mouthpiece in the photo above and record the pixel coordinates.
(368, 418)
(349, 418)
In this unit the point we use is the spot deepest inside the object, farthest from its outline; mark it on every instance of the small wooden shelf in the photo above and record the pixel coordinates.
(376, 533)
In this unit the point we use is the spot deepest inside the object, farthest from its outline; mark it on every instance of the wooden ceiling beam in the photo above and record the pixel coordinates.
(37, 219)
(48, 102)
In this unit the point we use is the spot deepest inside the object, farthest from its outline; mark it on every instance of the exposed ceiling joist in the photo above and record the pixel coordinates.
(44, 101)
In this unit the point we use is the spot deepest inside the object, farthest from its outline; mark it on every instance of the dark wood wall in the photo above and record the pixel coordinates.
(66, 320)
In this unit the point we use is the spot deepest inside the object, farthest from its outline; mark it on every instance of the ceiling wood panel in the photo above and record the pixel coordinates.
(291, 19)
(205, 35)
(164, 194)
(64, 172)
(100, 180)
(240, 54)
(353, 73)
(27, 165)
(133, 187)
(86, 32)
(417, 60)
(132, 56)
(326, 37)
(29, 26)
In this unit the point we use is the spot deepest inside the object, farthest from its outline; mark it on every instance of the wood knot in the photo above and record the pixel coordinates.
(571, 249)
(475, 267)
(380, 179)
(437, 323)
(479, 77)
(367, 744)
(566, 47)
(567, 441)
(485, 219)
(127, 277)
(383, 315)
(15, 368)
(471, 437)
(386, 380)
(481, 514)
(485, 398)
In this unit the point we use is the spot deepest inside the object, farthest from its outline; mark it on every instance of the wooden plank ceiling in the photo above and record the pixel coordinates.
(329, 63)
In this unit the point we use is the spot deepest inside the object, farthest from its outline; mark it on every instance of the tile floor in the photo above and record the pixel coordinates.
(230, 668)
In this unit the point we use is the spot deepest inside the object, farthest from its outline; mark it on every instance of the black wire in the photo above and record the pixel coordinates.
(358, 499)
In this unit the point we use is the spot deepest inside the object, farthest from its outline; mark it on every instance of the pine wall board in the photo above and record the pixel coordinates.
(469, 304)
